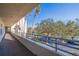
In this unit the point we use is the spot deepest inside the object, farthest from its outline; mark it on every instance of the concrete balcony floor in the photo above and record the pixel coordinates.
(11, 47)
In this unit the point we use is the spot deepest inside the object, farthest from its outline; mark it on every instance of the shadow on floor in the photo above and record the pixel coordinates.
(11, 47)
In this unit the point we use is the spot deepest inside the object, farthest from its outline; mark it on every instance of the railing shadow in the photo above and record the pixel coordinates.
(11, 47)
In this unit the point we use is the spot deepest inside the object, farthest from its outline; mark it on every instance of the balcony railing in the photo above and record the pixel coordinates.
(65, 45)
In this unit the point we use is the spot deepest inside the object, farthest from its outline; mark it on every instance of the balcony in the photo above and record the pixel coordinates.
(15, 42)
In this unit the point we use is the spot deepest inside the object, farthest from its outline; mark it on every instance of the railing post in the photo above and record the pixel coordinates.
(56, 44)
(47, 38)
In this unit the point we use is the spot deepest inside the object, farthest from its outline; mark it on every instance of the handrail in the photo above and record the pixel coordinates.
(54, 40)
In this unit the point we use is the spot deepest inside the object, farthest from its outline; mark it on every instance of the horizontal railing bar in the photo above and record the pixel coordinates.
(58, 43)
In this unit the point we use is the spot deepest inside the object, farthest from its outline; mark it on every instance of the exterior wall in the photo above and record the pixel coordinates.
(21, 29)
(2, 30)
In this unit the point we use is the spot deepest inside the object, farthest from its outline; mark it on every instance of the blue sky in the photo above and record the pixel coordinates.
(56, 11)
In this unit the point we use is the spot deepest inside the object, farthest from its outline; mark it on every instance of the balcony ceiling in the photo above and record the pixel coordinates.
(10, 13)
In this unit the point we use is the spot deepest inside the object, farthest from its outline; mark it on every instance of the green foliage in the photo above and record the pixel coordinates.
(37, 10)
(58, 28)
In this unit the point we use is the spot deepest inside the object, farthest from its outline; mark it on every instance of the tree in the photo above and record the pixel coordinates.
(45, 26)
(37, 11)
(58, 28)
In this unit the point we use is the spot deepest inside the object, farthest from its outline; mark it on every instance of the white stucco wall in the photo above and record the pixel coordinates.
(2, 29)
(22, 25)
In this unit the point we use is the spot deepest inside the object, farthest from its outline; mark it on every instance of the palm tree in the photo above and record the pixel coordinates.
(37, 11)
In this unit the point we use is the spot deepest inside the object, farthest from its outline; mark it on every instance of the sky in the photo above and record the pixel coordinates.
(56, 11)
